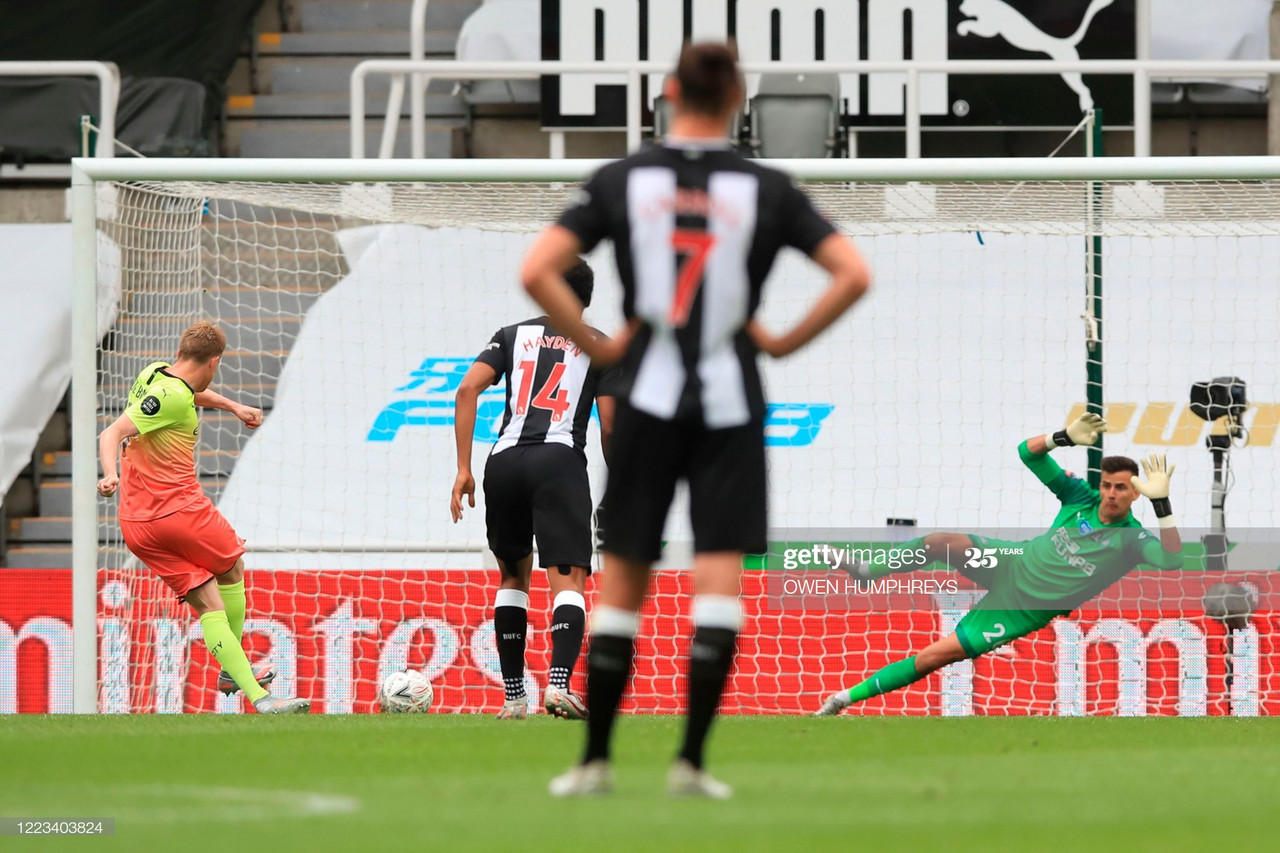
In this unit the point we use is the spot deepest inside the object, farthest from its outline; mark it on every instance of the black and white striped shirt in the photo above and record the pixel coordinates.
(695, 230)
(550, 385)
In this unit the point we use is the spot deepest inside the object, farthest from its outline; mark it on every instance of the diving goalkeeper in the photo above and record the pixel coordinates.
(1092, 543)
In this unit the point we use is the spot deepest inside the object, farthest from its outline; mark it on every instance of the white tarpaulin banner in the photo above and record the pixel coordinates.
(35, 333)
(911, 407)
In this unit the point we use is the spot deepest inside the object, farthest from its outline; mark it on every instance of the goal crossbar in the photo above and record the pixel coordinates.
(88, 170)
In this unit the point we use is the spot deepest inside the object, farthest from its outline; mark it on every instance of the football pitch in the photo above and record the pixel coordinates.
(442, 782)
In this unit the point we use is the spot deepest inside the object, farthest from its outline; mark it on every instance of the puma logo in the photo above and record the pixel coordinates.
(991, 18)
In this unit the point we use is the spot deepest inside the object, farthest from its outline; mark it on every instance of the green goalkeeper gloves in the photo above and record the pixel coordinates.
(1158, 471)
(1084, 430)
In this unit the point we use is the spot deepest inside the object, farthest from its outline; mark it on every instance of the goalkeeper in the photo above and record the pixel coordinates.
(1034, 581)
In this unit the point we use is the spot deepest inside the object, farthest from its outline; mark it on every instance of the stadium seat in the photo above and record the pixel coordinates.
(796, 115)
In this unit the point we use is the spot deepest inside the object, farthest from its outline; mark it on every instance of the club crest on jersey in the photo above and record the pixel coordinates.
(149, 406)
(1085, 527)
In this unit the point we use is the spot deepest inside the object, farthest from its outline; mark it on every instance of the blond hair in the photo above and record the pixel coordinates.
(202, 342)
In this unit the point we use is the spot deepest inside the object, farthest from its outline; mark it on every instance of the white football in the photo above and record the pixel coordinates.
(406, 693)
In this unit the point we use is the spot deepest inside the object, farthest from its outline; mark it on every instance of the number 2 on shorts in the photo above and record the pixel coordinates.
(990, 636)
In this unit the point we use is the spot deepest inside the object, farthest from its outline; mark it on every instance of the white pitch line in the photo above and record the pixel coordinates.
(232, 804)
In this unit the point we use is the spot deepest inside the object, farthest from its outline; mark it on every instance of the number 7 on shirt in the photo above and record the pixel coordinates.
(696, 246)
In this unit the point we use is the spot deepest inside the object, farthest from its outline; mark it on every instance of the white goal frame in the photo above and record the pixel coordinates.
(86, 173)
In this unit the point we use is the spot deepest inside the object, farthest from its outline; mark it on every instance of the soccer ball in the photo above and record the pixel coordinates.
(406, 692)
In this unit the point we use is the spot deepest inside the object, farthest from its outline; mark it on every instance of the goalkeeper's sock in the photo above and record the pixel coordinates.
(226, 650)
(233, 599)
(613, 646)
(568, 622)
(894, 676)
(510, 623)
(871, 571)
(716, 620)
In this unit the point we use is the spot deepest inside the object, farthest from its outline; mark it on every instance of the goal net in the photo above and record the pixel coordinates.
(1001, 310)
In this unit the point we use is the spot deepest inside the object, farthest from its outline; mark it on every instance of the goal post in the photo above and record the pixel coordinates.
(355, 291)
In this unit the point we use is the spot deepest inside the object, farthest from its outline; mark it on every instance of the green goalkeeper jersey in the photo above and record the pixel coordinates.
(1079, 556)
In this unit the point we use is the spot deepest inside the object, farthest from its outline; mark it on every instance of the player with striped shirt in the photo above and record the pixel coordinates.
(695, 230)
(1093, 542)
(166, 519)
(535, 482)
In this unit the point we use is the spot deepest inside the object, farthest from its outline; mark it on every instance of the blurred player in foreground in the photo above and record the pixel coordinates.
(535, 481)
(1093, 542)
(167, 520)
(695, 230)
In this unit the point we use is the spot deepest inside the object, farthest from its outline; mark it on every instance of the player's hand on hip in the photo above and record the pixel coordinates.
(1086, 429)
(107, 486)
(465, 484)
(1158, 471)
(249, 416)
(766, 342)
(606, 351)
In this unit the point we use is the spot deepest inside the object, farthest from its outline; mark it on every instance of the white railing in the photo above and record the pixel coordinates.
(1143, 71)
(108, 91)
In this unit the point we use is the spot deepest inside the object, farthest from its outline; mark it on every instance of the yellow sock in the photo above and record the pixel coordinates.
(233, 598)
(226, 650)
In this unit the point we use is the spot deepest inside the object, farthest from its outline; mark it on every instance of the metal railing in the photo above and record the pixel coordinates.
(108, 94)
(1143, 71)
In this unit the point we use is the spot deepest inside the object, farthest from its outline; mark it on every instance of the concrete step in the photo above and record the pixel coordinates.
(20, 499)
(330, 76)
(294, 139)
(238, 366)
(55, 529)
(305, 280)
(438, 43)
(56, 556)
(249, 298)
(55, 496)
(39, 557)
(328, 15)
(283, 219)
(264, 334)
(249, 301)
(209, 462)
(243, 230)
(334, 106)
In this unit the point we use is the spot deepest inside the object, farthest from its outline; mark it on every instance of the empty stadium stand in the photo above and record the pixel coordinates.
(290, 95)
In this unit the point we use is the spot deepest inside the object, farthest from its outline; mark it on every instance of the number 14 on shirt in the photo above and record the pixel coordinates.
(550, 397)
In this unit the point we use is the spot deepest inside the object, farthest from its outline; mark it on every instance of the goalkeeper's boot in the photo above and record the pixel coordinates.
(563, 704)
(264, 675)
(281, 705)
(514, 709)
(593, 779)
(685, 780)
(835, 703)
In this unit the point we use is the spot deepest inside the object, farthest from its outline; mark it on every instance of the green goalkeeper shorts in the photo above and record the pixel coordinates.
(992, 623)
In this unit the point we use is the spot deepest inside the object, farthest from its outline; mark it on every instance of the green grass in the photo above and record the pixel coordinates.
(473, 783)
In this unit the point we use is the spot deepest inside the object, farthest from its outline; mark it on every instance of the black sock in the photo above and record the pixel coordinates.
(509, 627)
(568, 621)
(608, 670)
(710, 659)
